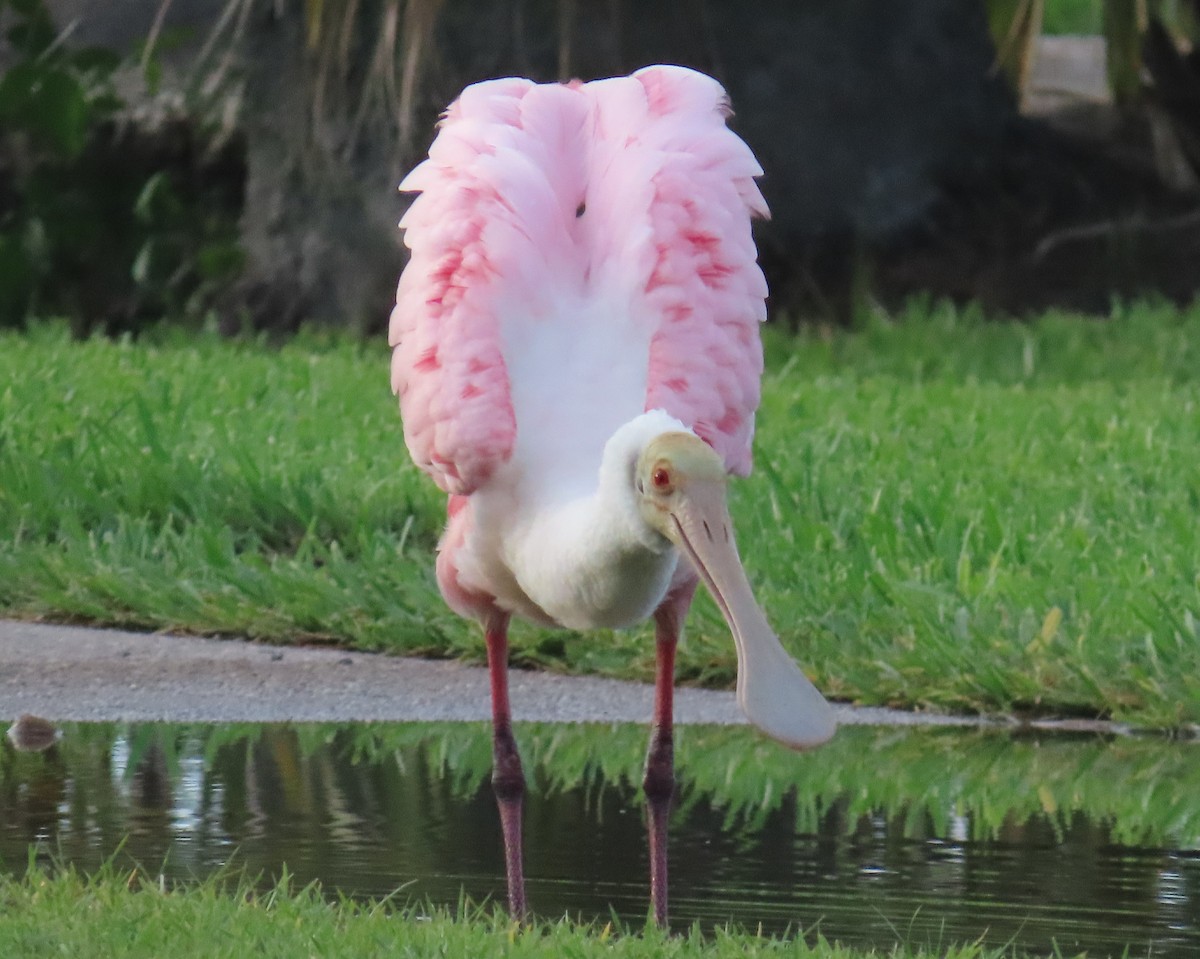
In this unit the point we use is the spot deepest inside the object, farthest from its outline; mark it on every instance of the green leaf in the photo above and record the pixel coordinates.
(36, 242)
(49, 103)
(64, 111)
(16, 280)
(220, 260)
(1123, 48)
(33, 36)
(105, 104)
(143, 208)
(153, 76)
(28, 8)
(96, 60)
(140, 270)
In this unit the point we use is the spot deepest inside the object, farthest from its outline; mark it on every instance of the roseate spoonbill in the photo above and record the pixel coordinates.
(578, 360)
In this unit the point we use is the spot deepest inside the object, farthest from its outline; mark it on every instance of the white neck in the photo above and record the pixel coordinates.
(590, 560)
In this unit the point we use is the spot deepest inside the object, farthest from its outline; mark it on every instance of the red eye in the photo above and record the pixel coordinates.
(661, 478)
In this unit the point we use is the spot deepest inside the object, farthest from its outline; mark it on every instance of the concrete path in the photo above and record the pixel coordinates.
(65, 673)
(1066, 71)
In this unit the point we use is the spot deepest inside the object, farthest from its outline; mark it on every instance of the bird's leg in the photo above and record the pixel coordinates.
(508, 779)
(659, 780)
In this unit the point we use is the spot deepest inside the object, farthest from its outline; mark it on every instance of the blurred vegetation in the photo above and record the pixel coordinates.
(1015, 26)
(101, 219)
(117, 222)
(402, 33)
(1124, 24)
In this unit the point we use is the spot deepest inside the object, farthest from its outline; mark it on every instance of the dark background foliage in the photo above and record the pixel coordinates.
(104, 219)
(237, 158)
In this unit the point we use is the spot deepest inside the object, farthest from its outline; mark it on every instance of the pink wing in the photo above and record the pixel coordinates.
(447, 366)
(699, 282)
(668, 191)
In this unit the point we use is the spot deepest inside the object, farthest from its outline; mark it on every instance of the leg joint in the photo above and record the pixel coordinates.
(507, 784)
(658, 785)
(659, 780)
(508, 778)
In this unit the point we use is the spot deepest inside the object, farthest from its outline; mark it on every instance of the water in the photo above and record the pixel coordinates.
(923, 837)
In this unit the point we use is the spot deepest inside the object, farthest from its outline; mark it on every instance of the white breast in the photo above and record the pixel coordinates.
(568, 555)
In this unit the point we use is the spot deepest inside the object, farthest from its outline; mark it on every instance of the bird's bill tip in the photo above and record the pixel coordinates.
(779, 699)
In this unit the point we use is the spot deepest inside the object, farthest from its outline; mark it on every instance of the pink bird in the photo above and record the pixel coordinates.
(578, 360)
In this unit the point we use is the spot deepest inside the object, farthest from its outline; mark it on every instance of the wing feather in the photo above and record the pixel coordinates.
(499, 235)
(447, 365)
(704, 286)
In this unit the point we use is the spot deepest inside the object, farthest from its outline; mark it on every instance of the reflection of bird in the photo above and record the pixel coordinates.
(577, 359)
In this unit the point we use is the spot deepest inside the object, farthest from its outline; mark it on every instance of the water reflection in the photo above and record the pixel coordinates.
(927, 837)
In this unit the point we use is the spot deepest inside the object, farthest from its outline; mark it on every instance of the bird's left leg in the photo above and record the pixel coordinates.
(508, 779)
(659, 780)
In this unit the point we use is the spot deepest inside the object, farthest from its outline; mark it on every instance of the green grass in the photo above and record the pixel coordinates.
(1073, 16)
(127, 916)
(945, 512)
(1087, 16)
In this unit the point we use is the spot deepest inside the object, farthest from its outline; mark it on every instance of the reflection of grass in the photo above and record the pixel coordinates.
(1144, 791)
(945, 512)
(122, 916)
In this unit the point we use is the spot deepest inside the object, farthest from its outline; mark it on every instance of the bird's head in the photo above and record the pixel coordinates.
(675, 474)
(680, 484)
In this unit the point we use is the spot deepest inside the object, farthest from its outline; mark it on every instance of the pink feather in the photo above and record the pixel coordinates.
(632, 188)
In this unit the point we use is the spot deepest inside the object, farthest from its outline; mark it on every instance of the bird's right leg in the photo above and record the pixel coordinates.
(659, 780)
(508, 779)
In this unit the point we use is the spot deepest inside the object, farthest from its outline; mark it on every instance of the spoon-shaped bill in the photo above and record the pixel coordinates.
(772, 690)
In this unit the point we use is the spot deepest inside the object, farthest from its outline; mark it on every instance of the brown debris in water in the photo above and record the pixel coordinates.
(32, 734)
